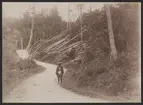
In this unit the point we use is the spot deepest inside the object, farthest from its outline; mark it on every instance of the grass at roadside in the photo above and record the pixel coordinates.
(12, 75)
(70, 85)
(115, 82)
(15, 76)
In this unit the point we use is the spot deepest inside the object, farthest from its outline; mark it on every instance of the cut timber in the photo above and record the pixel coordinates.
(23, 54)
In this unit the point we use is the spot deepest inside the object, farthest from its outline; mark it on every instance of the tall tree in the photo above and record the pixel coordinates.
(80, 7)
(32, 28)
(111, 34)
(56, 21)
(68, 23)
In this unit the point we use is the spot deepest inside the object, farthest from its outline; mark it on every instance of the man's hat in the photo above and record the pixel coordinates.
(59, 63)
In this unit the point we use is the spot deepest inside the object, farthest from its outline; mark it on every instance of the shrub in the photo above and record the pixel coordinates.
(27, 64)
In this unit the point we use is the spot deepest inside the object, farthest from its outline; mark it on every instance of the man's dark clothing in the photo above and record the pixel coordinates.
(59, 73)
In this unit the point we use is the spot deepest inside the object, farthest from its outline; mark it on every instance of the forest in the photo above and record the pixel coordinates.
(100, 61)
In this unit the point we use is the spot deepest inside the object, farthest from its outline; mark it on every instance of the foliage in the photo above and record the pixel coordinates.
(99, 72)
(102, 75)
(11, 72)
(45, 25)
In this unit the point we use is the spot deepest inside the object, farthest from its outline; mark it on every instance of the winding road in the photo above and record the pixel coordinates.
(43, 88)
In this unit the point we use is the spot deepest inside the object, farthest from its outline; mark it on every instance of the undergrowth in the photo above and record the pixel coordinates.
(105, 78)
(14, 70)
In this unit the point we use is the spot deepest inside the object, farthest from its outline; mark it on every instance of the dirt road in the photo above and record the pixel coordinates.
(43, 88)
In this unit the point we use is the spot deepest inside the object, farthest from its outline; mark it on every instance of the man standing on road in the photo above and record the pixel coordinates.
(59, 72)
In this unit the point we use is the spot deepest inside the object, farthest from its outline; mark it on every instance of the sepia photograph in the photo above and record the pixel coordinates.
(71, 52)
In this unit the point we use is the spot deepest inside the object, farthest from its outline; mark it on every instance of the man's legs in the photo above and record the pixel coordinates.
(61, 78)
(58, 78)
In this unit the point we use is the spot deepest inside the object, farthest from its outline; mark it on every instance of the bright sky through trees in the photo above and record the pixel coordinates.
(15, 9)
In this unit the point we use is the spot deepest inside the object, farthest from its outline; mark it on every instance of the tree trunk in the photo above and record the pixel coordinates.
(68, 16)
(90, 9)
(111, 34)
(16, 44)
(21, 43)
(31, 33)
(81, 23)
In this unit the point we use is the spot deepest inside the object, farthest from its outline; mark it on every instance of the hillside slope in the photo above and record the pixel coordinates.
(11, 73)
(99, 73)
